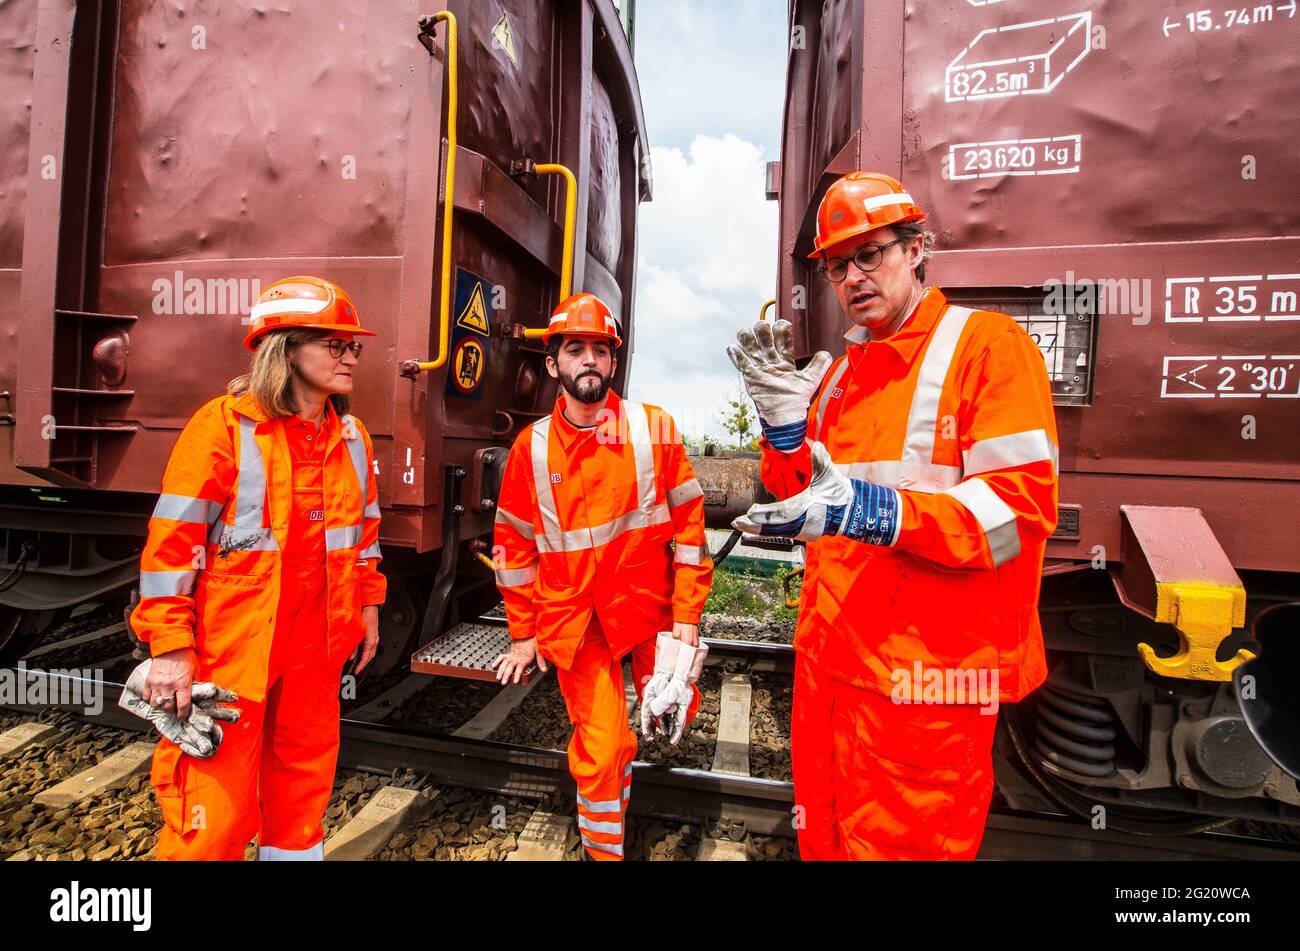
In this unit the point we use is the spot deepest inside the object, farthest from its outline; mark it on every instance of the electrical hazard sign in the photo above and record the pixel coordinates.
(470, 332)
(503, 38)
(474, 316)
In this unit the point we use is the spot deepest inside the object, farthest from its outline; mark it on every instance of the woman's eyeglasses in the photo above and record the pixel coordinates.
(337, 346)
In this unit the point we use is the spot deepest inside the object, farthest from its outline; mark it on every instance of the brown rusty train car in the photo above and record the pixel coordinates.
(162, 162)
(1120, 178)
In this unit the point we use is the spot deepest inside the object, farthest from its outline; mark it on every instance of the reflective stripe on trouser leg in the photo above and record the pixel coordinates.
(269, 853)
(602, 747)
(300, 741)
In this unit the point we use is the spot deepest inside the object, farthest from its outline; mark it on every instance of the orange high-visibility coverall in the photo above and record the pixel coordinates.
(262, 550)
(599, 545)
(955, 411)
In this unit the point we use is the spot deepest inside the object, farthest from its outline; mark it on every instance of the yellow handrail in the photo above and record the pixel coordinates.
(570, 223)
(449, 202)
(768, 305)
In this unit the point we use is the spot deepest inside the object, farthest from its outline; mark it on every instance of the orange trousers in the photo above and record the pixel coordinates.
(875, 779)
(603, 745)
(273, 774)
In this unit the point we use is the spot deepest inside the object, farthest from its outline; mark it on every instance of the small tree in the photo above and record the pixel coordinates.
(739, 422)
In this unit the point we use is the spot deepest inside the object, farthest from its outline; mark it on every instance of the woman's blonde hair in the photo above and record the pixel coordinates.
(270, 374)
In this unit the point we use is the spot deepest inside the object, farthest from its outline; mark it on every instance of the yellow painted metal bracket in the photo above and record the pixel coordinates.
(1204, 615)
(1176, 572)
(570, 226)
(412, 367)
(767, 305)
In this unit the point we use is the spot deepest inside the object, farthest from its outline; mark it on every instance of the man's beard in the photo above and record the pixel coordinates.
(589, 386)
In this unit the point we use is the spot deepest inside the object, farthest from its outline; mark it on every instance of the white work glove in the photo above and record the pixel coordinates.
(781, 393)
(665, 664)
(833, 504)
(200, 735)
(674, 701)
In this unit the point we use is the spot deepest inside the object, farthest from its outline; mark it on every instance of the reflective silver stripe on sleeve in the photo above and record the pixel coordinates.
(688, 491)
(516, 577)
(372, 551)
(605, 828)
(344, 537)
(603, 846)
(600, 806)
(371, 510)
(688, 554)
(923, 417)
(824, 400)
(183, 508)
(166, 584)
(514, 521)
(994, 516)
(1013, 449)
(917, 476)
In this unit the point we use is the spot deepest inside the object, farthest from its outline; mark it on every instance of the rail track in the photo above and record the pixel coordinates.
(407, 792)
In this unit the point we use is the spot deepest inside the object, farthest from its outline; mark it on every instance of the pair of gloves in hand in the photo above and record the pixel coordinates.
(667, 696)
(200, 734)
(833, 504)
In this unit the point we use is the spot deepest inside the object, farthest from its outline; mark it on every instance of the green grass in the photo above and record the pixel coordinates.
(739, 594)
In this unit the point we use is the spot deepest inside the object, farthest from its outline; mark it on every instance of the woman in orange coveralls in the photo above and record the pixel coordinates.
(260, 575)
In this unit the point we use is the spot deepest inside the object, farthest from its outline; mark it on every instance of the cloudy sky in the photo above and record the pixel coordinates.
(712, 79)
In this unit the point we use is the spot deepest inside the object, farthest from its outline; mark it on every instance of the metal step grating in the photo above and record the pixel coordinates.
(466, 651)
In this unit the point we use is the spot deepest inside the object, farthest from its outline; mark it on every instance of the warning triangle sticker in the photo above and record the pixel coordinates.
(503, 38)
(474, 316)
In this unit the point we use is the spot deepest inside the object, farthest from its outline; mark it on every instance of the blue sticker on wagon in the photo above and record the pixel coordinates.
(471, 327)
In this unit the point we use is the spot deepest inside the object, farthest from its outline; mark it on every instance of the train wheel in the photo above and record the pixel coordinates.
(19, 630)
(1080, 800)
(397, 626)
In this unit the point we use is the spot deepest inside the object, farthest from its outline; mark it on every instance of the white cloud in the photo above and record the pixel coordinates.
(708, 253)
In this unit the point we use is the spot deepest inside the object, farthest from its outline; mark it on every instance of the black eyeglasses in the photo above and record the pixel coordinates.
(337, 346)
(867, 258)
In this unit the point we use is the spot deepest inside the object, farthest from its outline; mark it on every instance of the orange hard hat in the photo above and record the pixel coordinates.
(308, 302)
(859, 202)
(584, 314)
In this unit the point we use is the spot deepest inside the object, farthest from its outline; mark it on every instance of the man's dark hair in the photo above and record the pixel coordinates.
(906, 231)
(553, 347)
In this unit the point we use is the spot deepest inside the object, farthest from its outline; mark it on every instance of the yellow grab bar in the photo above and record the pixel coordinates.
(570, 223)
(449, 202)
(767, 305)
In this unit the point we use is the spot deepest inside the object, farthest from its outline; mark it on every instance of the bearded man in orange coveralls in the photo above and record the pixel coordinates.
(921, 470)
(600, 546)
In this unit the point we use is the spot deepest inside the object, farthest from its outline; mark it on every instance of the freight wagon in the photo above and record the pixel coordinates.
(457, 167)
(1121, 179)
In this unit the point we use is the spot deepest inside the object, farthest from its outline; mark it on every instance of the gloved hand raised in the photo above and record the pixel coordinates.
(674, 701)
(781, 393)
(833, 504)
(199, 734)
(665, 663)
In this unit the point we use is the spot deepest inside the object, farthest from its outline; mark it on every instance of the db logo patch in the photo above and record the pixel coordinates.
(837, 393)
(316, 515)
(556, 478)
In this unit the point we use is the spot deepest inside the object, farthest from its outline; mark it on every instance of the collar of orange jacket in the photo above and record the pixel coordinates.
(245, 405)
(907, 339)
(607, 421)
